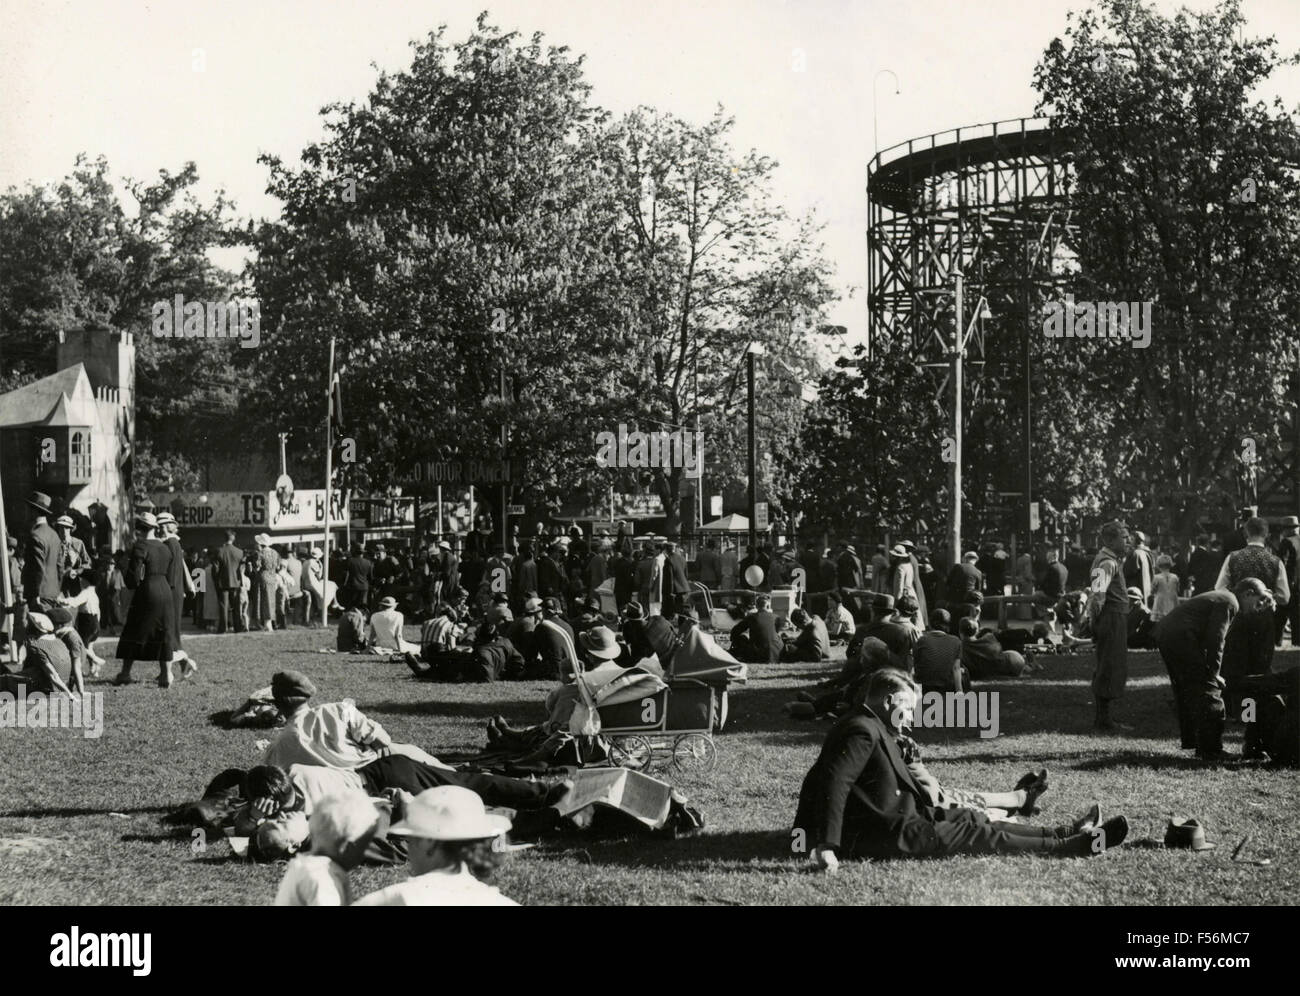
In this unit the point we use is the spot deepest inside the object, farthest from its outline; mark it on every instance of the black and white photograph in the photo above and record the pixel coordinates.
(572, 453)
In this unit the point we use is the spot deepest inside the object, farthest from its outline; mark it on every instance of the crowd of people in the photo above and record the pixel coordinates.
(556, 604)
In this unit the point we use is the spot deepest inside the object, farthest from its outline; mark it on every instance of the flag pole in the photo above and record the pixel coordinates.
(329, 477)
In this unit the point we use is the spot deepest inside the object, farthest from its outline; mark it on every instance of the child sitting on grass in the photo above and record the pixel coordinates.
(341, 827)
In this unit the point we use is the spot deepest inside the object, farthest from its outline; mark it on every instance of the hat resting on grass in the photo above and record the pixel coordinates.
(1187, 833)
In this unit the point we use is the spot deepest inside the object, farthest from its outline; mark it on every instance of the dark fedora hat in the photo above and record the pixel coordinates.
(41, 502)
(1187, 833)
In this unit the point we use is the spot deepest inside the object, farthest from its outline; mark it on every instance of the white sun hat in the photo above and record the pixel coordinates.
(449, 812)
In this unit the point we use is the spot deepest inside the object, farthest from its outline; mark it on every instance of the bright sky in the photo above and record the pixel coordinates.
(118, 77)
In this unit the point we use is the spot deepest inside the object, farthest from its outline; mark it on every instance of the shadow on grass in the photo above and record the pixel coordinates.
(701, 851)
(41, 813)
(512, 710)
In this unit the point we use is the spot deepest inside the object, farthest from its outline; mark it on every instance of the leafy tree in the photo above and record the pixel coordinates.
(72, 256)
(1186, 196)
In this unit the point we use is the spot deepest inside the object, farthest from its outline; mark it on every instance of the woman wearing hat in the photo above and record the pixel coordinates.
(46, 661)
(385, 633)
(450, 851)
(178, 578)
(150, 625)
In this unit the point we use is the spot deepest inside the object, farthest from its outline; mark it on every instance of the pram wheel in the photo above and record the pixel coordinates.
(695, 753)
(632, 752)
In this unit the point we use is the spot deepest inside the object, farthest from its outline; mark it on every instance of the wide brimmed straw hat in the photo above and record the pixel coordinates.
(450, 813)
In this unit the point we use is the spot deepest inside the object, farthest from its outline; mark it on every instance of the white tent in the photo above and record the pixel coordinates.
(728, 524)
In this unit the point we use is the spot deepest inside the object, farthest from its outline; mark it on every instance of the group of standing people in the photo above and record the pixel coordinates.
(265, 588)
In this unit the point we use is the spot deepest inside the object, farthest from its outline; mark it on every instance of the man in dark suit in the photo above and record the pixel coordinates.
(1202, 568)
(357, 574)
(557, 653)
(850, 568)
(229, 564)
(42, 557)
(812, 644)
(860, 800)
(754, 638)
(1190, 639)
(675, 565)
(550, 575)
(964, 581)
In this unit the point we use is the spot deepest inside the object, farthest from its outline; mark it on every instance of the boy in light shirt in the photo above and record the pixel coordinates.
(341, 827)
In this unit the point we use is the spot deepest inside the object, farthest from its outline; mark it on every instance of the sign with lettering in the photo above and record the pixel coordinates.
(305, 510)
(432, 473)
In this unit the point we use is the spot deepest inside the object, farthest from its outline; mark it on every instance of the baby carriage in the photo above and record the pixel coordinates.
(676, 723)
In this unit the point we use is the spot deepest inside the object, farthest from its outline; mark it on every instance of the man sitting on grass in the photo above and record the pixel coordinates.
(812, 644)
(861, 801)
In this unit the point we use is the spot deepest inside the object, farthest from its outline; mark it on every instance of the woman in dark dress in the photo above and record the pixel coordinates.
(147, 633)
(178, 577)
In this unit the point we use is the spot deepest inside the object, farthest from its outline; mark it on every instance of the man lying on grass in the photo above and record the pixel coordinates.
(337, 737)
(861, 801)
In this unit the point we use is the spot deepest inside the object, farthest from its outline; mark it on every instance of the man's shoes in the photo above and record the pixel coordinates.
(1216, 756)
(1096, 840)
(556, 793)
(124, 679)
(1090, 818)
(1109, 835)
(1108, 725)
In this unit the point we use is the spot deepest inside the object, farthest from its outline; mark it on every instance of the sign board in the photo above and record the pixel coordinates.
(715, 506)
(760, 516)
(1033, 516)
(464, 473)
(514, 510)
(304, 510)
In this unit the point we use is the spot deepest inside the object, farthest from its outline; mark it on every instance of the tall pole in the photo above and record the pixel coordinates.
(8, 630)
(329, 481)
(284, 466)
(958, 348)
(505, 476)
(753, 459)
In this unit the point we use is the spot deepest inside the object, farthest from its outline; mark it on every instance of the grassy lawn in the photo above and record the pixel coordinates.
(79, 818)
